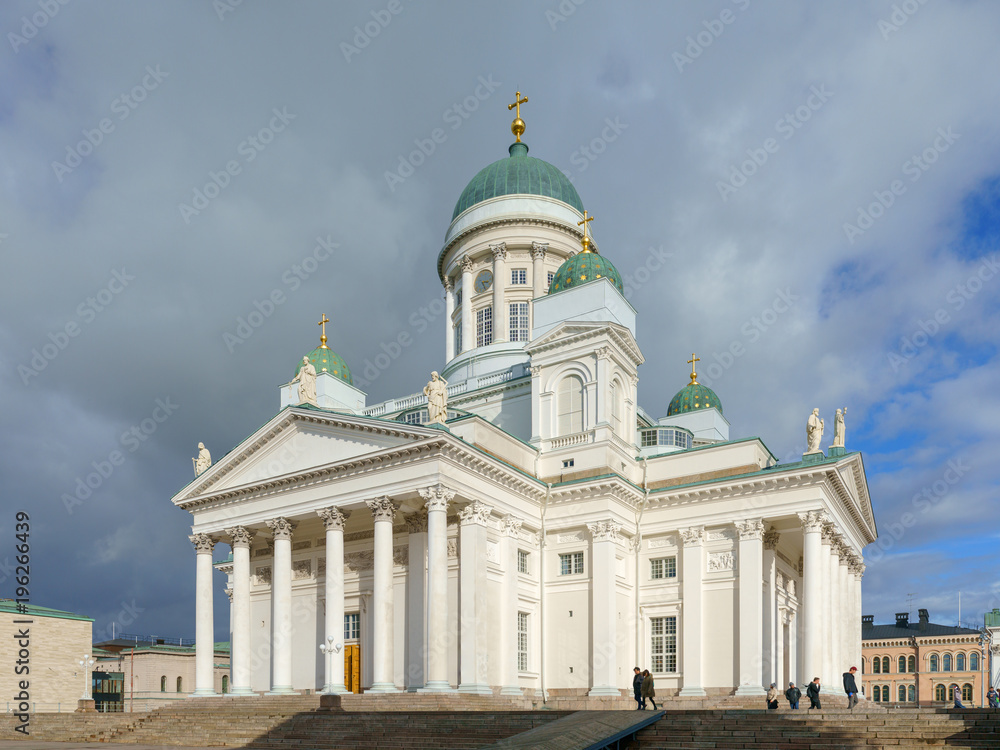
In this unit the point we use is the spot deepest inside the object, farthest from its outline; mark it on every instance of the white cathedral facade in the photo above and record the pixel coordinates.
(550, 534)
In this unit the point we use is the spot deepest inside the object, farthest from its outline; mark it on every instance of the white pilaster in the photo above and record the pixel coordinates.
(692, 565)
(830, 658)
(416, 596)
(603, 415)
(538, 276)
(511, 528)
(859, 572)
(383, 511)
(500, 332)
(793, 650)
(473, 599)
(604, 607)
(772, 624)
(781, 621)
(204, 630)
(751, 636)
(239, 539)
(449, 324)
(536, 404)
(846, 613)
(281, 602)
(436, 501)
(812, 592)
(333, 522)
(468, 329)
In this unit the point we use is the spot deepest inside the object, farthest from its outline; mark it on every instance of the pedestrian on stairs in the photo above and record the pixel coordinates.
(851, 688)
(772, 697)
(792, 695)
(637, 689)
(992, 697)
(647, 688)
(957, 694)
(813, 692)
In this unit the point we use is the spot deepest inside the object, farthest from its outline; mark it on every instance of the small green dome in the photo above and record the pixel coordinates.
(692, 397)
(519, 174)
(582, 268)
(325, 359)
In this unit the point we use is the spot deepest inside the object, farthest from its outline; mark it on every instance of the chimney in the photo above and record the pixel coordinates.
(925, 618)
(902, 619)
(867, 622)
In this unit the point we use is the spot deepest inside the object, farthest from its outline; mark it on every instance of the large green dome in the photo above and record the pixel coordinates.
(582, 268)
(693, 397)
(325, 359)
(519, 174)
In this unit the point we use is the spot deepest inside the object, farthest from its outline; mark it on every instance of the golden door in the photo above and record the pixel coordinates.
(352, 667)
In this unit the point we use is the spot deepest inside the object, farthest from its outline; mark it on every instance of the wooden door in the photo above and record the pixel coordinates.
(352, 667)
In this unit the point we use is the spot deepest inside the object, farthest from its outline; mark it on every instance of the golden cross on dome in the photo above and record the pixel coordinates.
(517, 127)
(694, 376)
(322, 324)
(586, 237)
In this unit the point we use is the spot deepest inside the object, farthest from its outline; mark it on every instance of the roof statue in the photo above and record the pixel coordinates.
(203, 461)
(814, 432)
(306, 378)
(436, 391)
(838, 428)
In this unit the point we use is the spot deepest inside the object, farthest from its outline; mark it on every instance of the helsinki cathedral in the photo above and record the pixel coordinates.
(522, 526)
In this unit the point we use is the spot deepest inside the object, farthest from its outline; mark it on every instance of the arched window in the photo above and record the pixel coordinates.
(902, 693)
(885, 693)
(617, 408)
(901, 665)
(877, 694)
(959, 662)
(974, 662)
(911, 693)
(939, 693)
(163, 684)
(911, 664)
(877, 665)
(885, 667)
(946, 663)
(225, 684)
(179, 685)
(934, 664)
(967, 692)
(569, 406)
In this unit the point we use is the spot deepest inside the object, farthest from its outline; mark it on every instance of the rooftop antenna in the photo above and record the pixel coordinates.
(909, 603)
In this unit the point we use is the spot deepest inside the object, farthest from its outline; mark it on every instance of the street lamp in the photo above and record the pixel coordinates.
(984, 641)
(87, 662)
(329, 648)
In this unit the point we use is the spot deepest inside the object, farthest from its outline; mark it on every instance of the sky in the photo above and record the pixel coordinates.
(805, 194)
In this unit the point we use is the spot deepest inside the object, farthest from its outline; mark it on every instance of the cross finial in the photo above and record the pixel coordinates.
(517, 127)
(586, 236)
(694, 375)
(322, 324)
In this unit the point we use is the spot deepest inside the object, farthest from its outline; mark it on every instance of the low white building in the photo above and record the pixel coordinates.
(551, 534)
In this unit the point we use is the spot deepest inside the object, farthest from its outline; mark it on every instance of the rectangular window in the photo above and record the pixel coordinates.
(549, 282)
(352, 626)
(484, 326)
(458, 298)
(518, 321)
(518, 276)
(522, 561)
(458, 338)
(648, 438)
(663, 567)
(663, 646)
(522, 641)
(571, 564)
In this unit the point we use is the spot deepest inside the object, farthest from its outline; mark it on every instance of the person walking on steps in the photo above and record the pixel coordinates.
(851, 687)
(637, 689)
(992, 697)
(957, 694)
(792, 695)
(772, 697)
(813, 692)
(647, 688)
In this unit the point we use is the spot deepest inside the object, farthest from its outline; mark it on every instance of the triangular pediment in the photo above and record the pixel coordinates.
(572, 333)
(296, 440)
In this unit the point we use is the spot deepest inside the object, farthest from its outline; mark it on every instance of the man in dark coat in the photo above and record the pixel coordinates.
(640, 704)
(813, 692)
(851, 688)
(792, 695)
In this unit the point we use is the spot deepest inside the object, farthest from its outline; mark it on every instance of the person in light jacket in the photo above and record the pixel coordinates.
(647, 688)
(772, 697)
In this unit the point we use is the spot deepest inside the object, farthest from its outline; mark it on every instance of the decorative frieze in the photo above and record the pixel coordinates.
(492, 552)
(717, 535)
(301, 569)
(359, 561)
(719, 562)
(570, 537)
(416, 523)
(305, 544)
(262, 575)
(401, 555)
(333, 518)
(452, 548)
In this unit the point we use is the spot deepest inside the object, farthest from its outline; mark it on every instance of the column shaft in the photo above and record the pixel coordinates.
(240, 542)
(500, 332)
(604, 608)
(473, 600)
(436, 501)
(751, 606)
(692, 565)
(538, 275)
(468, 329)
(812, 592)
(281, 618)
(333, 522)
(416, 591)
(383, 511)
(772, 624)
(204, 632)
(449, 323)
(509, 609)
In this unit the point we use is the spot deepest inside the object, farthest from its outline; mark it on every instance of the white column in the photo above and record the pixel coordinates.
(240, 542)
(793, 649)
(383, 511)
(473, 599)
(468, 329)
(830, 604)
(846, 614)
(511, 528)
(604, 607)
(772, 624)
(692, 565)
(781, 619)
(536, 404)
(859, 572)
(751, 561)
(333, 522)
(603, 411)
(812, 593)
(436, 500)
(500, 332)
(449, 324)
(416, 596)
(204, 629)
(281, 603)
(538, 276)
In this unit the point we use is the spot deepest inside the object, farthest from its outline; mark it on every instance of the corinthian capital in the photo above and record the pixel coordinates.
(475, 512)
(604, 531)
(382, 508)
(510, 525)
(538, 250)
(281, 528)
(448, 284)
(333, 518)
(203, 543)
(466, 264)
(693, 535)
(813, 520)
(239, 536)
(437, 497)
(771, 539)
(499, 251)
(752, 528)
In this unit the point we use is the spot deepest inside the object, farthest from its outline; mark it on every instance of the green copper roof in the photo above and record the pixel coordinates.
(327, 360)
(519, 174)
(584, 267)
(692, 397)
